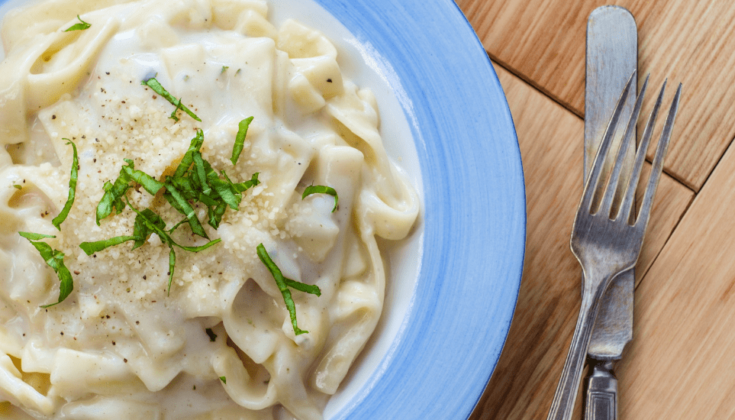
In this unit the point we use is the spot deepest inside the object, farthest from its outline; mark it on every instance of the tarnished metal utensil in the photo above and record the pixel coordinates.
(612, 55)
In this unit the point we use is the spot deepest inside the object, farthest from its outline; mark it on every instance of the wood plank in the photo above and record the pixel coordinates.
(688, 41)
(551, 141)
(680, 364)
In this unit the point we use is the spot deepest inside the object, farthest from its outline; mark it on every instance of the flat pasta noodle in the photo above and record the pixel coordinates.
(134, 339)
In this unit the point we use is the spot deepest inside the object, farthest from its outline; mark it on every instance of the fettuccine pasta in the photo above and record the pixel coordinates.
(222, 343)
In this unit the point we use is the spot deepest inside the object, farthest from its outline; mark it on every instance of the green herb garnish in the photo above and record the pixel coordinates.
(240, 139)
(142, 178)
(141, 229)
(18, 187)
(58, 220)
(211, 334)
(303, 287)
(223, 379)
(224, 189)
(90, 248)
(199, 248)
(283, 285)
(201, 173)
(176, 226)
(224, 69)
(177, 201)
(79, 26)
(173, 115)
(196, 180)
(244, 186)
(171, 267)
(114, 193)
(147, 222)
(150, 223)
(321, 189)
(238, 72)
(156, 86)
(188, 159)
(35, 236)
(55, 260)
(112, 199)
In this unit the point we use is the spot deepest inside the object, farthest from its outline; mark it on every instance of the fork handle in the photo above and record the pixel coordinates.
(566, 392)
(601, 392)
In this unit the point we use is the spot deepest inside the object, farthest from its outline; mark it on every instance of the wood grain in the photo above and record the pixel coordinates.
(551, 139)
(681, 364)
(688, 41)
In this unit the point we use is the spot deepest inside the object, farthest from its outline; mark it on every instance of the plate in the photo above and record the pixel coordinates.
(454, 285)
(474, 213)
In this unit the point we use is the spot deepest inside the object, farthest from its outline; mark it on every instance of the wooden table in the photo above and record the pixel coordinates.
(681, 362)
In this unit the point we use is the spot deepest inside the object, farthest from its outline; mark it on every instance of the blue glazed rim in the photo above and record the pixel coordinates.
(474, 213)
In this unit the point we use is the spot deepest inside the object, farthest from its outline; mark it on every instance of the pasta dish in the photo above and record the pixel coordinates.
(190, 198)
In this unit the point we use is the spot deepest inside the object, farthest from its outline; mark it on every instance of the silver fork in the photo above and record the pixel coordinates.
(607, 242)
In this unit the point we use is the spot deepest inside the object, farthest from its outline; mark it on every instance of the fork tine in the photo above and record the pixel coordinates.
(658, 162)
(594, 176)
(612, 186)
(627, 206)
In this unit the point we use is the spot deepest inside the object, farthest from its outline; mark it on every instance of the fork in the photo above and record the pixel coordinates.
(607, 241)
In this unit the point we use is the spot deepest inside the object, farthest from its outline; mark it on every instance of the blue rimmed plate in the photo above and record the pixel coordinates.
(454, 284)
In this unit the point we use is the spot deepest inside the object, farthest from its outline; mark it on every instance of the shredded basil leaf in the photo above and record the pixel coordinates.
(211, 334)
(303, 287)
(112, 199)
(207, 201)
(176, 226)
(79, 26)
(114, 193)
(141, 231)
(224, 69)
(321, 189)
(224, 189)
(173, 115)
(185, 186)
(201, 173)
(90, 248)
(152, 225)
(171, 267)
(242, 132)
(55, 260)
(188, 159)
(283, 285)
(16, 186)
(58, 220)
(244, 186)
(216, 213)
(196, 180)
(178, 202)
(156, 86)
(150, 222)
(142, 178)
(199, 248)
(223, 379)
(35, 236)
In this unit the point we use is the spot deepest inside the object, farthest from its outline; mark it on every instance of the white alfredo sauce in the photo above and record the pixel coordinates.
(120, 344)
